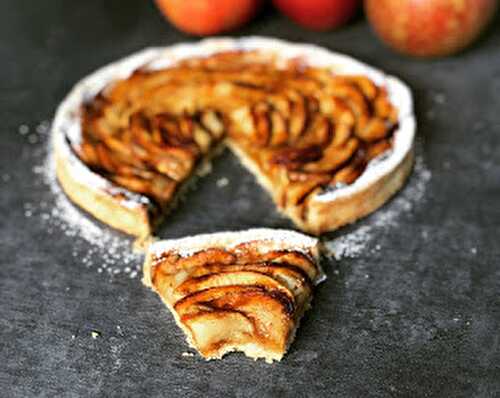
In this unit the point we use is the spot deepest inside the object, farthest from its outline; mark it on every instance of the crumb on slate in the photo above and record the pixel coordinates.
(222, 182)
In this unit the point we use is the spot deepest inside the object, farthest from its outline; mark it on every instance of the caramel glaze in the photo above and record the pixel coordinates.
(306, 128)
(229, 299)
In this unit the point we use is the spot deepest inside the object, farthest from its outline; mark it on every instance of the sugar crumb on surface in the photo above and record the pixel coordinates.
(439, 98)
(32, 138)
(23, 129)
(222, 182)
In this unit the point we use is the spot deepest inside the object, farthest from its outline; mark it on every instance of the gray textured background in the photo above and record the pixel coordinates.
(425, 322)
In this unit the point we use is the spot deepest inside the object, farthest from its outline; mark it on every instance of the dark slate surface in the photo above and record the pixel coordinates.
(424, 323)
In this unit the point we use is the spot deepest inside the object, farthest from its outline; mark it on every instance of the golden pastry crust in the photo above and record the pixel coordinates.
(236, 291)
(305, 133)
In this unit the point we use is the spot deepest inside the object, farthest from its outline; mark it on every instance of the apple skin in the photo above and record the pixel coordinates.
(318, 14)
(208, 17)
(429, 28)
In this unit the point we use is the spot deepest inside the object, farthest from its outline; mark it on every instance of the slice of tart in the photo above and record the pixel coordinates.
(236, 291)
(330, 138)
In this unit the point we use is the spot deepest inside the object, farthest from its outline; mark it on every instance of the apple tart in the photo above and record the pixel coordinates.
(329, 138)
(236, 291)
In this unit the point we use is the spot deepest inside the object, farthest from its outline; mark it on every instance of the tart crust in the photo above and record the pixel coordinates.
(135, 214)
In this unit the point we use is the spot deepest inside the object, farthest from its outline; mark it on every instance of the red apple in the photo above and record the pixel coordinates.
(318, 14)
(429, 28)
(208, 17)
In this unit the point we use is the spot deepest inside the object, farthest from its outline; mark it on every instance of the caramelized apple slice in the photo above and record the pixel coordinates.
(368, 88)
(271, 313)
(202, 138)
(215, 333)
(135, 184)
(378, 148)
(299, 260)
(230, 297)
(261, 124)
(279, 129)
(353, 97)
(375, 129)
(341, 134)
(292, 277)
(336, 108)
(213, 123)
(251, 254)
(334, 157)
(301, 185)
(208, 256)
(230, 278)
(348, 174)
(319, 132)
(298, 115)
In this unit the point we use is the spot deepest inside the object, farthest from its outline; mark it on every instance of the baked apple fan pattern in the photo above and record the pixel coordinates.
(302, 130)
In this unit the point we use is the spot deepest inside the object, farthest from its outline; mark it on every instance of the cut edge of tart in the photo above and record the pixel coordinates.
(327, 208)
(236, 291)
(116, 206)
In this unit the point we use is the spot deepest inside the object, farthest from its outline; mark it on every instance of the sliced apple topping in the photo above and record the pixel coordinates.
(270, 312)
(247, 298)
(305, 128)
(230, 278)
(292, 277)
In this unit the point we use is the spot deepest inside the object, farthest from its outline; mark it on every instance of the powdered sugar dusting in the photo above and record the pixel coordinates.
(110, 253)
(271, 239)
(350, 245)
(353, 244)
